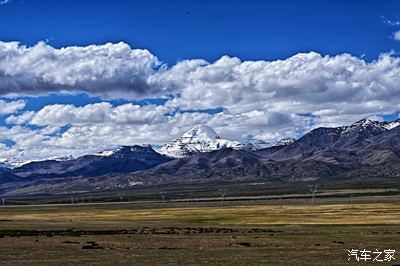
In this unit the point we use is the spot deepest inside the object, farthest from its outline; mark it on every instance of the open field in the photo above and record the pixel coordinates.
(266, 245)
(382, 213)
(254, 224)
(262, 192)
(252, 234)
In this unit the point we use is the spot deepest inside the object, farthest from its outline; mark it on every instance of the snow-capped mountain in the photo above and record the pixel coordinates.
(61, 158)
(366, 148)
(371, 125)
(13, 163)
(365, 124)
(258, 144)
(255, 144)
(127, 159)
(108, 152)
(117, 149)
(391, 125)
(285, 141)
(200, 138)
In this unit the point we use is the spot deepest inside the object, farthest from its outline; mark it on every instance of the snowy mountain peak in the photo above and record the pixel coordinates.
(200, 132)
(364, 121)
(200, 138)
(364, 125)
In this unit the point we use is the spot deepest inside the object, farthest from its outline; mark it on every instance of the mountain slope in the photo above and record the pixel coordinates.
(126, 159)
(340, 138)
(225, 164)
(381, 149)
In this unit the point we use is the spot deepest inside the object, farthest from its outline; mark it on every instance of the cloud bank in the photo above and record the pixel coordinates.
(96, 69)
(307, 82)
(262, 99)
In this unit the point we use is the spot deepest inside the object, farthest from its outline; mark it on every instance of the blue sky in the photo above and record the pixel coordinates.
(175, 30)
(267, 69)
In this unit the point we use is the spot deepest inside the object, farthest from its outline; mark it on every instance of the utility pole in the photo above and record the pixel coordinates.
(313, 190)
(351, 200)
(187, 200)
(163, 195)
(121, 197)
(223, 192)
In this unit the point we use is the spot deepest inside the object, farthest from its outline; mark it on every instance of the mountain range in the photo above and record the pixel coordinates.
(365, 149)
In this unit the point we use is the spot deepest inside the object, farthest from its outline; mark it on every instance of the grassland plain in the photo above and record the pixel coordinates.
(125, 234)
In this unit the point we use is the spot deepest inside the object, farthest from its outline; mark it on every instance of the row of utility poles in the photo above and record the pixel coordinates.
(223, 192)
(313, 190)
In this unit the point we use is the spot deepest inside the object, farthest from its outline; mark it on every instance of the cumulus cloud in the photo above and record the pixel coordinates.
(264, 99)
(97, 69)
(305, 83)
(11, 107)
(91, 114)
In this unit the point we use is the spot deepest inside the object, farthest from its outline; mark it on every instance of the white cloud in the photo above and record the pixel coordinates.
(91, 114)
(396, 35)
(304, 83)
(11, 107)
(266, 99)
(4, 2)
(97, 69)
(97, 126)
(390, 22)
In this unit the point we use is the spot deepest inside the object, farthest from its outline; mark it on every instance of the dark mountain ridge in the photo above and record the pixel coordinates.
(364, 149)
(127, 159)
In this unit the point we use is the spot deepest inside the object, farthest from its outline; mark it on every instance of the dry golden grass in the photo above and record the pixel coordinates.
(379, 213)
(254, 234)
